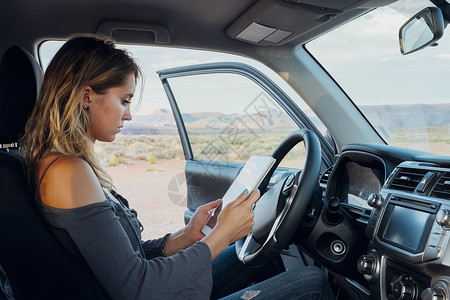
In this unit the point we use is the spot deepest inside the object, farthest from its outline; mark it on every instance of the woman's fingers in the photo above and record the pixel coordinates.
(251, 200)
(238, 216)
(210, 206)
(244, 197)
(234, 222)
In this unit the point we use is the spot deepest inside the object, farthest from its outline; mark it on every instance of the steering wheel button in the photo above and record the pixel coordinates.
(290, 180)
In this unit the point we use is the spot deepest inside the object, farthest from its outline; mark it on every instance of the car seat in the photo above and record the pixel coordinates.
(35, 263)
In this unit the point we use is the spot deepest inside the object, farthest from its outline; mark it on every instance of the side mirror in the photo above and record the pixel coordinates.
(423, 29)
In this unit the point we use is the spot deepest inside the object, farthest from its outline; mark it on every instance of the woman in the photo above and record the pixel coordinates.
(85, 96)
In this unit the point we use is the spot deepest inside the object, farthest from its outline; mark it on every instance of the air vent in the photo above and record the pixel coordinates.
(407, 179)
(442, 187)
(325, 176)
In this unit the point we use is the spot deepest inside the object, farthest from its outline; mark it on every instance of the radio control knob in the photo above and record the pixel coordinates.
(375, 200)
(405, 288)
(443, 218)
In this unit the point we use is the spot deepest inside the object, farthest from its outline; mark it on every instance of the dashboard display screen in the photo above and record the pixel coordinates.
(362, 182)
(406, 227)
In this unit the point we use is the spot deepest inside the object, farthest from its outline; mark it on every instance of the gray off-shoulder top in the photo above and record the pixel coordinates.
(108, 236)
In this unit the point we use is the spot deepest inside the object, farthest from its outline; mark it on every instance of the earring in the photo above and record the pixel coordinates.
(85, 107)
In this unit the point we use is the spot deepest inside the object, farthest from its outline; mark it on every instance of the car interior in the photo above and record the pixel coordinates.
(369, 205)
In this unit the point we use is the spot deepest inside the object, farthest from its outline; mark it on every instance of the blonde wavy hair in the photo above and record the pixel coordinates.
(58, 121)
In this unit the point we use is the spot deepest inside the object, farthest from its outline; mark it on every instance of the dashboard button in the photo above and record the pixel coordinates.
(434, 239)
(366, 265)
(443, 218)
(404, 288)
(423, 184)
(338, 247)
(431, 253)
(375, 200)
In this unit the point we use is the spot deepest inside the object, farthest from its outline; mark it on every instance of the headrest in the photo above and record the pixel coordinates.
(20, 79)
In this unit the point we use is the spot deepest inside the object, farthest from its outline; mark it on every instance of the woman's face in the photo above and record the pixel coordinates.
(108, 112)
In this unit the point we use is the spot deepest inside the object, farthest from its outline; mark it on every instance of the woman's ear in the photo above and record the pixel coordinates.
(87, 96)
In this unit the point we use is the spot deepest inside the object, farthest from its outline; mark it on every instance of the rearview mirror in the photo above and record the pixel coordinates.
(423, 29)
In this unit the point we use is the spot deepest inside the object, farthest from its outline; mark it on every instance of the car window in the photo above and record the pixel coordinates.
(404, 97)
(228, 117)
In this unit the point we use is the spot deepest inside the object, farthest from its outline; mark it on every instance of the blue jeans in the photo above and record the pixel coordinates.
(231, 275)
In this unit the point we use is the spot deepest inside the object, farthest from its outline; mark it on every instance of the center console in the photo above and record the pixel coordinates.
(409, 232)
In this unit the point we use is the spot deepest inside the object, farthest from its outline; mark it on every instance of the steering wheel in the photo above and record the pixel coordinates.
(277, 217)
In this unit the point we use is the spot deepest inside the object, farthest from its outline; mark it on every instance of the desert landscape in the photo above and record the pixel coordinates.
(148, 193)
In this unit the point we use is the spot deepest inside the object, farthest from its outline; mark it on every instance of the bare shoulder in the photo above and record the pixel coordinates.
(69, 182)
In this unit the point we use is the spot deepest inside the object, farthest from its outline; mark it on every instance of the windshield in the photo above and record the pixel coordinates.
(403, 97)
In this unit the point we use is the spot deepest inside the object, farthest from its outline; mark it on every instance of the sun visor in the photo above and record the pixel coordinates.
(135, 32)
(275, 22)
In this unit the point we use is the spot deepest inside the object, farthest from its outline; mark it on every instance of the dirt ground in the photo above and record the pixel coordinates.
(156, 191)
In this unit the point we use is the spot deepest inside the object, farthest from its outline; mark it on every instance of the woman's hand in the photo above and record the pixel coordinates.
(199, 219)
(234, 222)
(191, 233)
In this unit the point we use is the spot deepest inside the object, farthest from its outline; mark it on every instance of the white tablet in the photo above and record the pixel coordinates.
(249, 178)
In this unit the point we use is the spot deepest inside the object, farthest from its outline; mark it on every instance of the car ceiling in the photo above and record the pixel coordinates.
(206, 24)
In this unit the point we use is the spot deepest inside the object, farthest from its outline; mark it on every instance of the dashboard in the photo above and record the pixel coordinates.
(394, 208)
